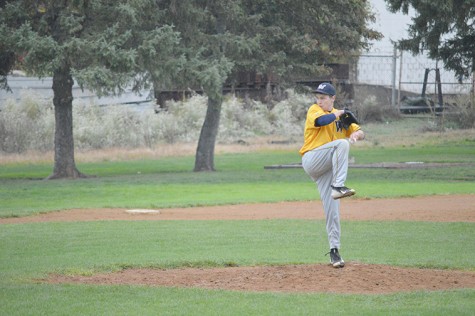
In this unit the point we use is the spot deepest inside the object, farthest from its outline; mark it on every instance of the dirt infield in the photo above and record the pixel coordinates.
(355, 278)
(447, 208)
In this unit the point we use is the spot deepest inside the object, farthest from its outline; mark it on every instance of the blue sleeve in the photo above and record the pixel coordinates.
(325, 120)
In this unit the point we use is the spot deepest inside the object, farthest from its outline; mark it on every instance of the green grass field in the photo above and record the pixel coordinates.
(32, 251)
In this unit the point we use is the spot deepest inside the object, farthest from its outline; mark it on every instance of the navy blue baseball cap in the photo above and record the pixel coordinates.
(326, 88)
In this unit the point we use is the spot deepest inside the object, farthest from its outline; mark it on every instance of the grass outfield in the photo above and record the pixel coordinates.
(135, 300)
(31, 251)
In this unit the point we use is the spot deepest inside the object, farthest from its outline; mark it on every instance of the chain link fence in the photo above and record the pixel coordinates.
(405, 74)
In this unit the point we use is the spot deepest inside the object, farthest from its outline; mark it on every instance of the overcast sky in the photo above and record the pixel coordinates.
(393, 26)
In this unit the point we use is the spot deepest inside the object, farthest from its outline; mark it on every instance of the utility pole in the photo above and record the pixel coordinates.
(393, 95)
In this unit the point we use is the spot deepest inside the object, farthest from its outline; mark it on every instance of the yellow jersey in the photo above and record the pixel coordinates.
(317, 136)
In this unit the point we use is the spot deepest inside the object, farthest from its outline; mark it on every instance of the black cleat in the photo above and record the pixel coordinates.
(335, 259)
(341, 192)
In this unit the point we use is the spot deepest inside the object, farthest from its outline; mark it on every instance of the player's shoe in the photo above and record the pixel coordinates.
(335, 259)
(341, 192)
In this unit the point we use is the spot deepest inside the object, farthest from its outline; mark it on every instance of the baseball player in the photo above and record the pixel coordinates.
(327, 137)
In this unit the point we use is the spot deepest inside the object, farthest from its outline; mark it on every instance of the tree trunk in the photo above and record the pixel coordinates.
(64, 165)
(204, 159)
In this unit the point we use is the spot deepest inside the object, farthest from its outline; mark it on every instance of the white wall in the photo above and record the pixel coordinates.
(42, 88)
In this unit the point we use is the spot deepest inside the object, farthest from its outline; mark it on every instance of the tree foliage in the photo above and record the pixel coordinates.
(445, 28)
(284, 37)
(280, 37)
(104, 45)
(299, 36)
(217, 37)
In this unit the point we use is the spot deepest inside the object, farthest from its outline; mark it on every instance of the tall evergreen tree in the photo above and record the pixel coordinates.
(217, 36)
(105, 45)
(299, 37)
(283, 37)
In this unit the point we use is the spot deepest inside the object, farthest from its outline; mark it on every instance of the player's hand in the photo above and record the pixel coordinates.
(355, 136)
(339, 113)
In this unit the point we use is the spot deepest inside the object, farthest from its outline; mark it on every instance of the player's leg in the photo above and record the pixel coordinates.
(331, 208)
(340, 154)
(333, 155)
(318, 165)
(317, 162)
(332, 216)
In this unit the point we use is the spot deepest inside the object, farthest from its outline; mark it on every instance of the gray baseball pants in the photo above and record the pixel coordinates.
(328, 165)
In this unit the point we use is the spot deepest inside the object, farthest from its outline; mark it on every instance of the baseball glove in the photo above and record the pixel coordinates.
(347, 119)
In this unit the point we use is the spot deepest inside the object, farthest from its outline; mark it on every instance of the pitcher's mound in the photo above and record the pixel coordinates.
(355, 278)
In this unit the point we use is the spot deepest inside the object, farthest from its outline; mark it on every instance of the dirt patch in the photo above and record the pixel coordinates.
(449, 208)
(355, 278)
